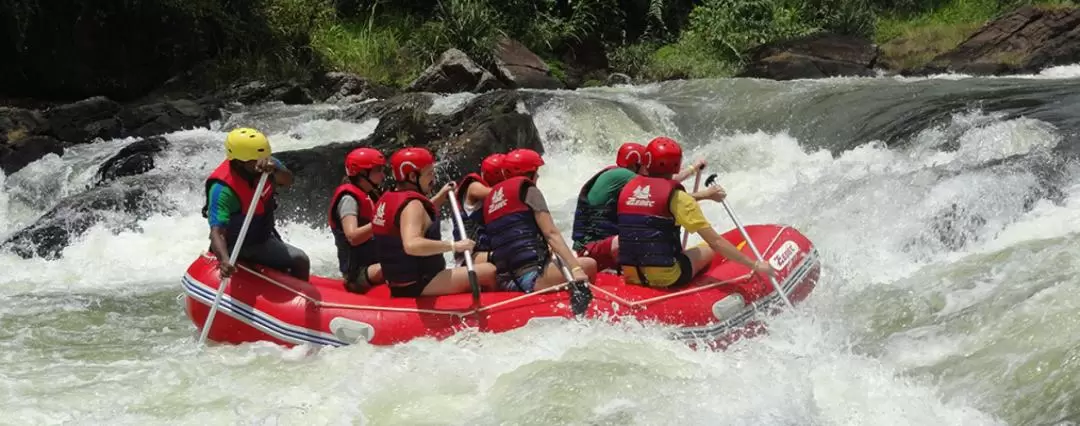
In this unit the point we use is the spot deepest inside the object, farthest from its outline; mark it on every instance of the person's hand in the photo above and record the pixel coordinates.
(715, 193)
(225, 268)
(265, 165)
(764, 268)
(579, 274)
(463, 245)
(699, 164)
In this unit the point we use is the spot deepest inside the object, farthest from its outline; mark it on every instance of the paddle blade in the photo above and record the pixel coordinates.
(580, 297)
(475, 287)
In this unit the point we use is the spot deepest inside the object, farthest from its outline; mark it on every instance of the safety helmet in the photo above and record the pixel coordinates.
(361, 159)
(663, 156)
(246, 144)
(630, 154)
(522, 161)
(410, 160)
(492, 169)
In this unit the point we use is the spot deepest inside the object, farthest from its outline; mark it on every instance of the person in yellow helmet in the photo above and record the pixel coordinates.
(229, 191)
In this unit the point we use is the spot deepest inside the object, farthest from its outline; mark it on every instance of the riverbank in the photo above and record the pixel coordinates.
(126, 52)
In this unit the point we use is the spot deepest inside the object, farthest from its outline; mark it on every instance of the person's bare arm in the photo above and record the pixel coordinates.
(356, 234)
(414, 220)
(724, 247)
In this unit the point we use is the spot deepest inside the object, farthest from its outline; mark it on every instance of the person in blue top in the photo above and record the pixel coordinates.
(229, 191)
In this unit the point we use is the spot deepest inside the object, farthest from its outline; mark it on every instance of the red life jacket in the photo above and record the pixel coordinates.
(262, 223)
(593, 223)
(399, 268)
(516, 240)
(351, 259)
(648, 234)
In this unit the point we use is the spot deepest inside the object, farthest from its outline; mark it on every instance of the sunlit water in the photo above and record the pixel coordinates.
(903, 328)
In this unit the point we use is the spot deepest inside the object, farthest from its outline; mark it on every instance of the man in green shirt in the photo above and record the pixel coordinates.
(596, 221)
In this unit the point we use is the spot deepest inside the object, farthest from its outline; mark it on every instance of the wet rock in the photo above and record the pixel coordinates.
(1024, 41)
(289, 93)
(341, 87)
(454, 72)
(815, 56)
(24, 139)
(135, 158)
(165, 117)
(520, 68)
(85, 120)
(131, 199)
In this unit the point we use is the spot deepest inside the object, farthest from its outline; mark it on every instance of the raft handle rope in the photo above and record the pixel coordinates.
(779, 290)
(235, 251)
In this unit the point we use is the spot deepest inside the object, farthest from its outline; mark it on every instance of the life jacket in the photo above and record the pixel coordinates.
(648, 234)
(516, 240)
(351, 259)
(474, 222)
(262, 222)
(399, 268)
(594, 223)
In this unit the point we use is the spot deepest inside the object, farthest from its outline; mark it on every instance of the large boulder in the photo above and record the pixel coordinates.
(520, 68)
(24, 138)
(815, 56)
(133, 159)
(1026, 40)
(342, 87)
(454, 72)
(85, 120)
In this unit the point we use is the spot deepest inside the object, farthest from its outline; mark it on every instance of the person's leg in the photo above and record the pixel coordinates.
(276, 254)
(553, 275)
(456, 280)
(604, 252)
(700, 257)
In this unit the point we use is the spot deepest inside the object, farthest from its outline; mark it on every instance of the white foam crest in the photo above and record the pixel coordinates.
(448, 104)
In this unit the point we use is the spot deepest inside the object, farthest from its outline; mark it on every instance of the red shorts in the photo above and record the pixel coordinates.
(601, 252)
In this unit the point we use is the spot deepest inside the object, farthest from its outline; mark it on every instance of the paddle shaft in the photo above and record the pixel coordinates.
(233, 254)
(697, 184)
(473, 282)
(753, 248)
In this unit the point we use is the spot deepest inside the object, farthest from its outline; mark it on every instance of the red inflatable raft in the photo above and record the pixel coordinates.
(719, 306)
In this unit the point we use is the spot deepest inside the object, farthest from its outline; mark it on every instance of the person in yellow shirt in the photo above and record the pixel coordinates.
(652, 208)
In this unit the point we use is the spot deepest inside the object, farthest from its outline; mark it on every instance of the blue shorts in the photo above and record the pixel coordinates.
(522, 281)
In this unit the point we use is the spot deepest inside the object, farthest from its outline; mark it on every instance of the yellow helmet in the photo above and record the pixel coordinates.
(246, 144)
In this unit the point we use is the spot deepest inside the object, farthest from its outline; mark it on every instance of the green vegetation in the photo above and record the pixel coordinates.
(135, 45)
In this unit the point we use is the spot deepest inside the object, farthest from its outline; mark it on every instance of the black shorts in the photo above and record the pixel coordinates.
(686, 269)
(413, 290)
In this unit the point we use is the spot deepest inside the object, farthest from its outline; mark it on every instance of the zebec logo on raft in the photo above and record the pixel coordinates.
(784, 255)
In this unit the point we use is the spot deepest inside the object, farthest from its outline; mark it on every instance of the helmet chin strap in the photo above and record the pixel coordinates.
(374, 188)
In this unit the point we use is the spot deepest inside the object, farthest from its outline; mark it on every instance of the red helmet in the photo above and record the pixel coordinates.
(630, 154)
(663, 156)
(410, 160)
(361, 159)
(522, 161)
(492, 169)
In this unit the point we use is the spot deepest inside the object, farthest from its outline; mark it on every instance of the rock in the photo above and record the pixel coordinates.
(135, 158)
(340, 87)
(136, 197)
(165, 117)
(289, 93)
(619, 78)
(82, 121)
(17, 153)
(1024, 41)
(815, 56)
(520, 68)
(454, 72)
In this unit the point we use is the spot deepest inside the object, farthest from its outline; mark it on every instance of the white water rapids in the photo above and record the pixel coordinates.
(901, 330)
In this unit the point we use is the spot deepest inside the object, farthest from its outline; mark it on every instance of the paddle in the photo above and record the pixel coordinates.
(580, 294)
(235, 251)
(709, 182)
(697, 184)
(468, 253)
